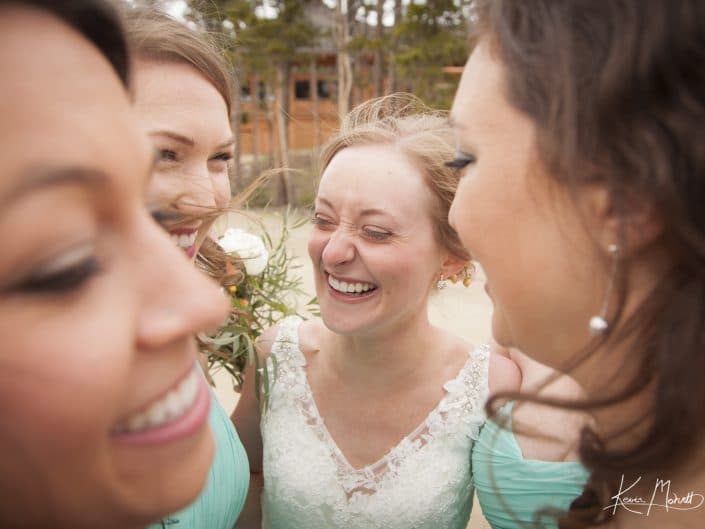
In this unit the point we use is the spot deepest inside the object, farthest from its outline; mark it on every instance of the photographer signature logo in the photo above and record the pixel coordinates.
(662, 496)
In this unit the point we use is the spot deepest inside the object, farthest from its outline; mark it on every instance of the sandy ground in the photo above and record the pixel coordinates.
(465, 311)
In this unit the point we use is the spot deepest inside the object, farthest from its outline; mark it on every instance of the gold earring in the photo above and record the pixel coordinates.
(468, 273)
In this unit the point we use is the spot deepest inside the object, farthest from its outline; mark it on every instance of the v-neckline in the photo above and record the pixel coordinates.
(318, 420)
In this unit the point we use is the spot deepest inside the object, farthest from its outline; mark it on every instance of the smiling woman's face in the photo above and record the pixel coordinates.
(187, 120)
(97, 307)
(543, 274)
(374, 250)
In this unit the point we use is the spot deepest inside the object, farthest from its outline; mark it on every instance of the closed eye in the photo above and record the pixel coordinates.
(167, 218)
(166, 155)
(376, 235)
(62, 281)
(460, 161)
(222, 157)
(321, 222)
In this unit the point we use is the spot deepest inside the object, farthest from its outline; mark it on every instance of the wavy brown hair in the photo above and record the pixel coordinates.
(616, 90)
(153, 35)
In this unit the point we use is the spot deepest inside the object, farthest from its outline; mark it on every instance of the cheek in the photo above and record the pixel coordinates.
(463, 213)
(221, 188)
(72, 376)
(61, 402)
(316, 245)
(162, 189)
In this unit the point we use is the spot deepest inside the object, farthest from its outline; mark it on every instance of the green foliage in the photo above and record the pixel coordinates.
(431, 36)
(258, 302)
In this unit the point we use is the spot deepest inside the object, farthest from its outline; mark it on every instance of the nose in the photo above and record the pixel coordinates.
(177, 300)
(199, 191)
(339, 249)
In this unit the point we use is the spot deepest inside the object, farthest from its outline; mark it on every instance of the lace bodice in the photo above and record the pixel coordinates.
(423, 482)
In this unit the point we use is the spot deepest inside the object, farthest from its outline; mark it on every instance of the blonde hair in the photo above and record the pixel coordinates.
(423, 134)
(154, 35)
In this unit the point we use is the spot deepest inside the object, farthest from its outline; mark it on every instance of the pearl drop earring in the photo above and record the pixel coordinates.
(598, 324)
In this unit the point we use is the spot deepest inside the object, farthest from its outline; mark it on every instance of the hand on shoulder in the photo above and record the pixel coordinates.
(504, 374)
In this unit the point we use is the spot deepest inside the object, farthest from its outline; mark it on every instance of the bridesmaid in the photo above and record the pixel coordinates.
(579, 127)
(183, 89)
(96, 331)
(534, 467)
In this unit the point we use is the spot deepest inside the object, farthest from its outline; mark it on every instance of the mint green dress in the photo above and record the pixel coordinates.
(511, 489)
(223, 497)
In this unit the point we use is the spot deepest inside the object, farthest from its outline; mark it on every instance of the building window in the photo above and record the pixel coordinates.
(245, 92)
(327, 88)
(302, 90)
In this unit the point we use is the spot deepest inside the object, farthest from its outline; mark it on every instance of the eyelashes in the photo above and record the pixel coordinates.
(167, 218)
(62, 281)
(375, 235)
(461, 161)
(168, 156)
(222, 157)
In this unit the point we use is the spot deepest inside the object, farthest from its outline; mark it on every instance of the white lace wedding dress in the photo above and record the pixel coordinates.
(423, 482)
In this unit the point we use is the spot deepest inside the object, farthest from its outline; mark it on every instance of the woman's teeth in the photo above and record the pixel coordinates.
(183, 240)
(349, 288)
(172, 406)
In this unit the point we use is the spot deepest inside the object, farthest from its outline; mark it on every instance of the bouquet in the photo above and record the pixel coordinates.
(262, 291)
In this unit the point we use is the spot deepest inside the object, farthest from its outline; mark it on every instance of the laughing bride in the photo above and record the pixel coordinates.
(371, 411)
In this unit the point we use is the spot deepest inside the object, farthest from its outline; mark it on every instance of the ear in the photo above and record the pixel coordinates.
(633, 224)
(453, 265)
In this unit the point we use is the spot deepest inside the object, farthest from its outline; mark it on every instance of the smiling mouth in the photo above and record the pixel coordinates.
(173, 406)
(351, 288)
(185, 239)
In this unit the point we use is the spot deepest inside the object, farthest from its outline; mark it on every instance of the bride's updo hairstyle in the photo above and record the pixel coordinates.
(616, 91)
(422, 134)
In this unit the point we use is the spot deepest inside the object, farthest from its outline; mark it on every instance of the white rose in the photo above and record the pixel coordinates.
(248, 247)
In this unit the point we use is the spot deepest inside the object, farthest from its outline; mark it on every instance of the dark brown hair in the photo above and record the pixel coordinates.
(616, 90)
(97, 21)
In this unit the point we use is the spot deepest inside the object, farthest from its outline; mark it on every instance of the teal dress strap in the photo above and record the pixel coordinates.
(511, 489)
(222, 499)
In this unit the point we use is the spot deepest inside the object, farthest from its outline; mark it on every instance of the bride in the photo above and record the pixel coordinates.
(371, 411)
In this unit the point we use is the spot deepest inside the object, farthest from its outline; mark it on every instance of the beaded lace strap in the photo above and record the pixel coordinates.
(286, 345)
(285, 361)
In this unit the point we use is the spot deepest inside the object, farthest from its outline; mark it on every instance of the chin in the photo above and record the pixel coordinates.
(175, 479)
(337, 325)
(341, 323)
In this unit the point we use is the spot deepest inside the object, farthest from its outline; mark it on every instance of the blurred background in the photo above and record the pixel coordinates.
(301, 64)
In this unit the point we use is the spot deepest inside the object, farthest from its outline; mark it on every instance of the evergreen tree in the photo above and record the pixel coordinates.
(430, 36)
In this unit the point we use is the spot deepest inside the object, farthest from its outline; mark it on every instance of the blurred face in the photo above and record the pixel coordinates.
(105, 418)
(543, 278)
(374, 253)
(187, 121)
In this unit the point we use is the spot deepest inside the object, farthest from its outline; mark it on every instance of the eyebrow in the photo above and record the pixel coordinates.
(42, 178)
(367, 211)
(174, 136)
(186, 140)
